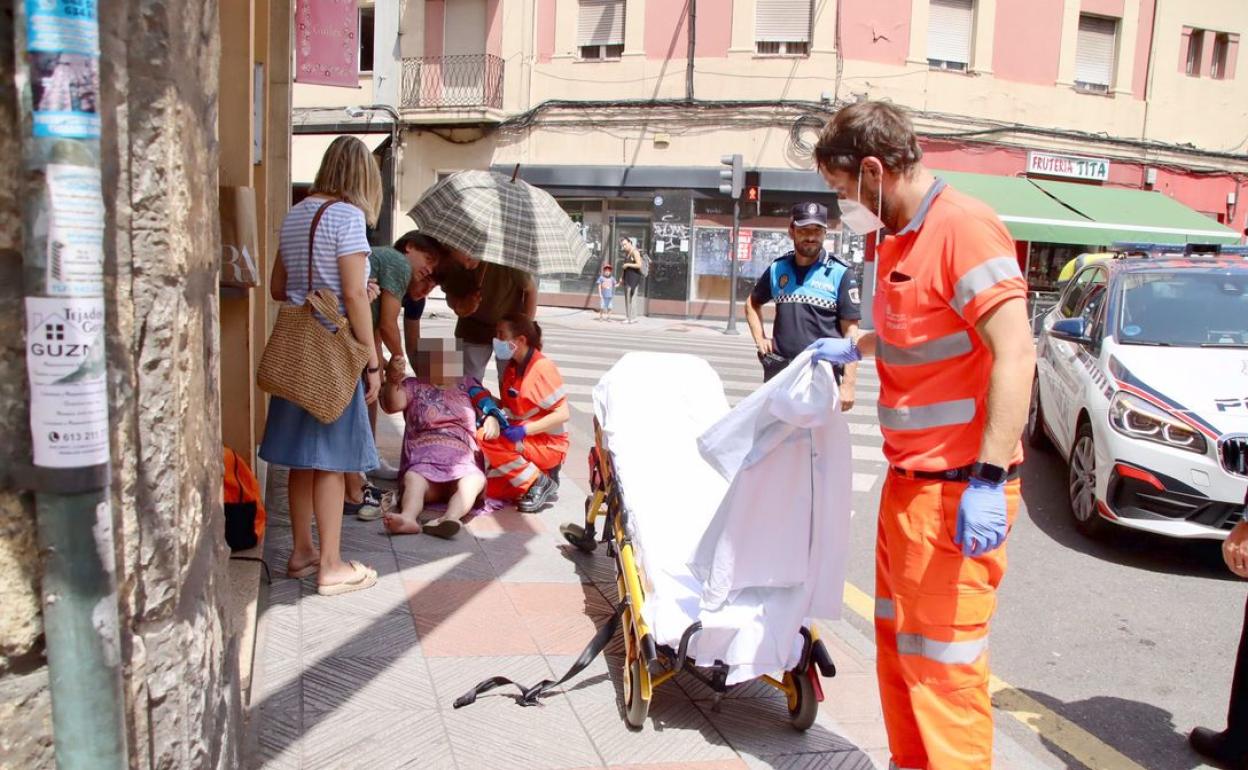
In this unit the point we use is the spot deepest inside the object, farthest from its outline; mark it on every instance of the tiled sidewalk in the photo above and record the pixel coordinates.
(367, 680)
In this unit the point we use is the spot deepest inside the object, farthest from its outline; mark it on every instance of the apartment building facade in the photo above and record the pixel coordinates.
(1084, 122)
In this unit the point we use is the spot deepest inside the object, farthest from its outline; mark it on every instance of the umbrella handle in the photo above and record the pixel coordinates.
(515, 173)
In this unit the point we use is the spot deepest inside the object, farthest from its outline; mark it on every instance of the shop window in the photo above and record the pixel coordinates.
(1195, 48)
(782, 27)
(600, 30)
(1221, 57)
(1094, 54)
(366, 40)
(950, 25)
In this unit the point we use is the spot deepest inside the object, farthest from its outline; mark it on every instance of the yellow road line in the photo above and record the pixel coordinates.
(1066, 735)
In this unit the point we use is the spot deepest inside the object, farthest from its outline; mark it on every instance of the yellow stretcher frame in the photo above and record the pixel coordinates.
(647, 665)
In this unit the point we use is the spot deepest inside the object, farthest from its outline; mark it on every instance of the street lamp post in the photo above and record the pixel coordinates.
(396, 156)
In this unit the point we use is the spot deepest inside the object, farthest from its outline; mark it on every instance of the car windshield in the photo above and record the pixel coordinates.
(1184, 308)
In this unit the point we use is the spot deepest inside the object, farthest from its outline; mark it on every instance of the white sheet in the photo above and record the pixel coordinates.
(653, 407)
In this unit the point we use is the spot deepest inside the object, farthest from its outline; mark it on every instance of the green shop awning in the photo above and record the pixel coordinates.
(1085, 215)
(1027, 211)
(1137, 215)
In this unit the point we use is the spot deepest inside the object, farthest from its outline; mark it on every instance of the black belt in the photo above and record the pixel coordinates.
(953, 474)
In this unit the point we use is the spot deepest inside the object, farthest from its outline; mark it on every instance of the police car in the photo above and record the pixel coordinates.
(1142, 384)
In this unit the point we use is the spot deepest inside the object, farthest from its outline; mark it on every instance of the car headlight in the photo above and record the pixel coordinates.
(1133, 416)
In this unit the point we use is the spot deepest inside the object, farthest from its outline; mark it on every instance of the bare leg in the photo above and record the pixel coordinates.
(407, 521)
(299, 492)
(467, 490)
(354, 492)
(328, 492)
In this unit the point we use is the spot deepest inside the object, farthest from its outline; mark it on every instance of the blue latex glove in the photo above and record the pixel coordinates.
(515, 433)
(981, 518)
(835, 350)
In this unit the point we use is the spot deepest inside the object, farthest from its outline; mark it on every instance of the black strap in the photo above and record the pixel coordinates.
(529, 695)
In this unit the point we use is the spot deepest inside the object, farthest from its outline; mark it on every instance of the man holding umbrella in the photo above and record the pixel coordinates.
(482, 297)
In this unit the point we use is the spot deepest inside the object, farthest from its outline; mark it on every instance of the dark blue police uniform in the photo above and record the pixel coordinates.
(810, 302)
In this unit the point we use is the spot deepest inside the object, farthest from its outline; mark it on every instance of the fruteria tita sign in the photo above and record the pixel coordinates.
(327, 43)
(1069, 166)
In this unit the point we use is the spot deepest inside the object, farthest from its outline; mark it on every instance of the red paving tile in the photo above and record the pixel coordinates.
(459, 618)
(560, 617)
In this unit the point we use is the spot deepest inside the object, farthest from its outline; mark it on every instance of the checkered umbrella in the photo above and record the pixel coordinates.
(508, 222)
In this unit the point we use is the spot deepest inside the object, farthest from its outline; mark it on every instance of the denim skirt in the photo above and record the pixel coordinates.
(295, 439)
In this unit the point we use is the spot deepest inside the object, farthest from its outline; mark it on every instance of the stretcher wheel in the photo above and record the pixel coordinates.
(636, 707)
(803, 703)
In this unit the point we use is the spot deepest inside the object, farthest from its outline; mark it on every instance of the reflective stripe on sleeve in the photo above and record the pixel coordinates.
(982, 277)
(939, 349)
(553, 398)
(941, 413)
(884, 609)
(494, 473)
(524, 476)
(952, 653)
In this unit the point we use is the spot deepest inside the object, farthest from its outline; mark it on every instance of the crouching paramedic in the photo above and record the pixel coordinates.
(955, 359)
(525, 453)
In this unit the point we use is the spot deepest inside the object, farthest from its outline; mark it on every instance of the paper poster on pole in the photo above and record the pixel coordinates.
(63, 53)
(68, 386)
(75, 231)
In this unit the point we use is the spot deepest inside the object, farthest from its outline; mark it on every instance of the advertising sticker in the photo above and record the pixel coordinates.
(75, 231)
(63, 50)
(68, 389)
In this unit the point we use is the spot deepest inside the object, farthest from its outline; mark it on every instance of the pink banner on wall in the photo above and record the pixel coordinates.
(327, 43)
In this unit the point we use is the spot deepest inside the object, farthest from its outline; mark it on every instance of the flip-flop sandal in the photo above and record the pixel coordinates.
(307, 571)
(366, 577)
(444, 529)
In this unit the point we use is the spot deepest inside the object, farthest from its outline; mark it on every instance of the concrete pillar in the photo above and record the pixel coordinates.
(387, 59)
(159, 157)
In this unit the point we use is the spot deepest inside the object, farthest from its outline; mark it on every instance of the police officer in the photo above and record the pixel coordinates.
(816, 296)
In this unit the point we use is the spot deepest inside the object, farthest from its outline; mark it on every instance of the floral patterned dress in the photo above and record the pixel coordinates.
(439, 437)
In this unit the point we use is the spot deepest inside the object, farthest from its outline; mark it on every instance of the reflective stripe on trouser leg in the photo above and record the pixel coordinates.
(943, 602)
(511, 473)
(904, 742)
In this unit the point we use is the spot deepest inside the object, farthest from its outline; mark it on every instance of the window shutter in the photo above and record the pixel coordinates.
(600, 22)
(949, 28)
(783, 21)
(1094, 53)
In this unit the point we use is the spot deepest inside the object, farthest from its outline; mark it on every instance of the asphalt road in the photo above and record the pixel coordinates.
(1132, 639)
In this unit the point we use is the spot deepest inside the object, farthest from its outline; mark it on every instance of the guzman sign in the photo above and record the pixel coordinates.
(1069, 166)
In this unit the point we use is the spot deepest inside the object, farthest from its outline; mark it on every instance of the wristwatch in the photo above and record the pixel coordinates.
(993, 474)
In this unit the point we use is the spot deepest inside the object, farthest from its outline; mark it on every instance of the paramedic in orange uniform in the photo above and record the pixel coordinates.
(521, 456)
(955, 357)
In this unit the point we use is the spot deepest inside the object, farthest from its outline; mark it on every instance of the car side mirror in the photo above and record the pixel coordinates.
(1071, 330)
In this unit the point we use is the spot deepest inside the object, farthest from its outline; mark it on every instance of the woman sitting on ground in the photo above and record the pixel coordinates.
(525, 455)
(440, 461)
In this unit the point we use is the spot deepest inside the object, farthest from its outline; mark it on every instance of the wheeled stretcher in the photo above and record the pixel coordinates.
(652, 499)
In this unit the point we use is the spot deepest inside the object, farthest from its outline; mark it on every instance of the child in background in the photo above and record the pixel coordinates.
(606, 292)
(441, 460)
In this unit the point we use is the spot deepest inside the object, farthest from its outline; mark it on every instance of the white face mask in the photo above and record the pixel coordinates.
(858, 217)
(504, 350)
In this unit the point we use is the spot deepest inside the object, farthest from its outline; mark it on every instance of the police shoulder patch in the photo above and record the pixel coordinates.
(853, 294)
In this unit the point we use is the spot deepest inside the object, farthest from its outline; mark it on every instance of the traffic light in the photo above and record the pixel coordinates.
(731, 179)
(752, 195)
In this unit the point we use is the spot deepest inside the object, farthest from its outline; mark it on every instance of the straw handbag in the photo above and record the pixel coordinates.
(307, 364)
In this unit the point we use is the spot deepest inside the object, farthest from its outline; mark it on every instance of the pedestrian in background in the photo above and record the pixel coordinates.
(816, 296)
(331, 221)
(1229, 748)
(954, 350)
(606, 293)
(631, 275)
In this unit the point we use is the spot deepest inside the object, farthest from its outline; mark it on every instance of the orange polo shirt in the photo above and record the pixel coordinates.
(936, 279)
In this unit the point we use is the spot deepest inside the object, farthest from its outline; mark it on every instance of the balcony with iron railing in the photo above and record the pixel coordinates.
(468, 82)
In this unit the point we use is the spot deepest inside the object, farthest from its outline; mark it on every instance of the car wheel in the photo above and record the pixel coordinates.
(1082, 486)
(1036, 437)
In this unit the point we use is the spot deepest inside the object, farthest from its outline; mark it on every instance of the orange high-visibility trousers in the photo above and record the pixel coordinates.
(512, 468)
(932, 609)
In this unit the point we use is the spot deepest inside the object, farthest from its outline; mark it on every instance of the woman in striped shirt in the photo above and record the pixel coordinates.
(347, 192)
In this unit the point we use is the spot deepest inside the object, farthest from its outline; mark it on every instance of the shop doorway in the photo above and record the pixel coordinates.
(637, 229)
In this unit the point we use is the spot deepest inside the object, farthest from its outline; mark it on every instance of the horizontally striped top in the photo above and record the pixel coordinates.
(339, 233)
